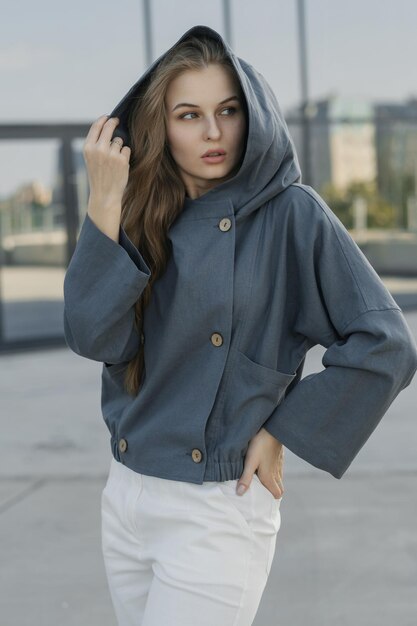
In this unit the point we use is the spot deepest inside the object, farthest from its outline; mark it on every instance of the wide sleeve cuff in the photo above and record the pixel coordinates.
(103, 281)
(329, 415)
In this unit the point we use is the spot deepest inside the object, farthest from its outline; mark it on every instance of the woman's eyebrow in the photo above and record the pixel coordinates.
(187, 104)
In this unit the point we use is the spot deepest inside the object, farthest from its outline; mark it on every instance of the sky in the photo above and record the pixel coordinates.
(74, 61)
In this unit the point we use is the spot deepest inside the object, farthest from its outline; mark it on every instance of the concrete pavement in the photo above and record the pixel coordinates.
(346, 551)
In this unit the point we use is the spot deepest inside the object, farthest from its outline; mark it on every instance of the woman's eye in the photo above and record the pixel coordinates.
(233, 109)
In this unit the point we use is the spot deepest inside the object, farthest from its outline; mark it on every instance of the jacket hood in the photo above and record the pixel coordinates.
(270, 163)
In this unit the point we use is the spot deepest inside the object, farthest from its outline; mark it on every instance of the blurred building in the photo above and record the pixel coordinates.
(357, 141)
(396, 141)
(343, 146)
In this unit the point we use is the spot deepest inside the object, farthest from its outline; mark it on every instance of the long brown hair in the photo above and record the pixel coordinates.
(155, 193)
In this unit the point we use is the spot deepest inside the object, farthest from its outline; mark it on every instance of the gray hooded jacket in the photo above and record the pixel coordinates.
(261, 270)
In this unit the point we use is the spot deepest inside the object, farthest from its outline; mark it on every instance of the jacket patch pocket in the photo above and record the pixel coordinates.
(263, 373)
(253, 392)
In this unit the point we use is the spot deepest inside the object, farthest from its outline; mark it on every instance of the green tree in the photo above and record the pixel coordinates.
(380, 212)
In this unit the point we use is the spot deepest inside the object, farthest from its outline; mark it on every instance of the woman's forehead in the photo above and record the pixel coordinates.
(193, 87)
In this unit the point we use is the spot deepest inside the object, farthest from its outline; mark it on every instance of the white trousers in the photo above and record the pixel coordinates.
(181, 554)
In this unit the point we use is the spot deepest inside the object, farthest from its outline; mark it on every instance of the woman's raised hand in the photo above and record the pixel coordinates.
(107, 163)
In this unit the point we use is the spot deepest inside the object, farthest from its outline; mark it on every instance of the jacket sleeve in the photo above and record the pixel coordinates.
(370, 356)
(103, 281)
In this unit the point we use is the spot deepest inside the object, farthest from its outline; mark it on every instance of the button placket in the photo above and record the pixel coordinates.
(216, 338)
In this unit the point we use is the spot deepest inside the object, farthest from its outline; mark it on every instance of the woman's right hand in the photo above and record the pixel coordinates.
(107, 164)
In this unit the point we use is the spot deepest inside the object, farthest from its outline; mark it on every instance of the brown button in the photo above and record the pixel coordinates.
(122, 445)
(225, 224)
(216, 339)
(197, 455)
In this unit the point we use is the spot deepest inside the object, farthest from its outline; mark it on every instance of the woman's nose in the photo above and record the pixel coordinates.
(212, 128)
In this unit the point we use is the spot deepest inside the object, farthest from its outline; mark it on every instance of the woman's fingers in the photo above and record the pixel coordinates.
(95, 129)
(280, 485)
(101, 129)
(107, 131)
(107, 163)
(126, 151)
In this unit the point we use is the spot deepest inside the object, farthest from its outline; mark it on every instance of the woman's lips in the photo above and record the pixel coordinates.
(214, 159)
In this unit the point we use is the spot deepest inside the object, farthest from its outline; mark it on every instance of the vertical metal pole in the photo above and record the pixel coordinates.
(147, 31)
(306, 130)
(69, 193)
(227, 21)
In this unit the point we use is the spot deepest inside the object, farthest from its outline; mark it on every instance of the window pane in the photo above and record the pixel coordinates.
(32, 239)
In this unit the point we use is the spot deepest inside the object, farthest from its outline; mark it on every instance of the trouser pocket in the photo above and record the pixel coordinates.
(241, 506)
(258, 511)
(120, 495)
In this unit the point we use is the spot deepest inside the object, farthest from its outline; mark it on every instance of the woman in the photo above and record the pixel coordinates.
(200, 282)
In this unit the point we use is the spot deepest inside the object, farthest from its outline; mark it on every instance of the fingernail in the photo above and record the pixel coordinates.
(241, 489)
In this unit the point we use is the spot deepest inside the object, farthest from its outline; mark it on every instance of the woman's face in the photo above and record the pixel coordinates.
(211, 119)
